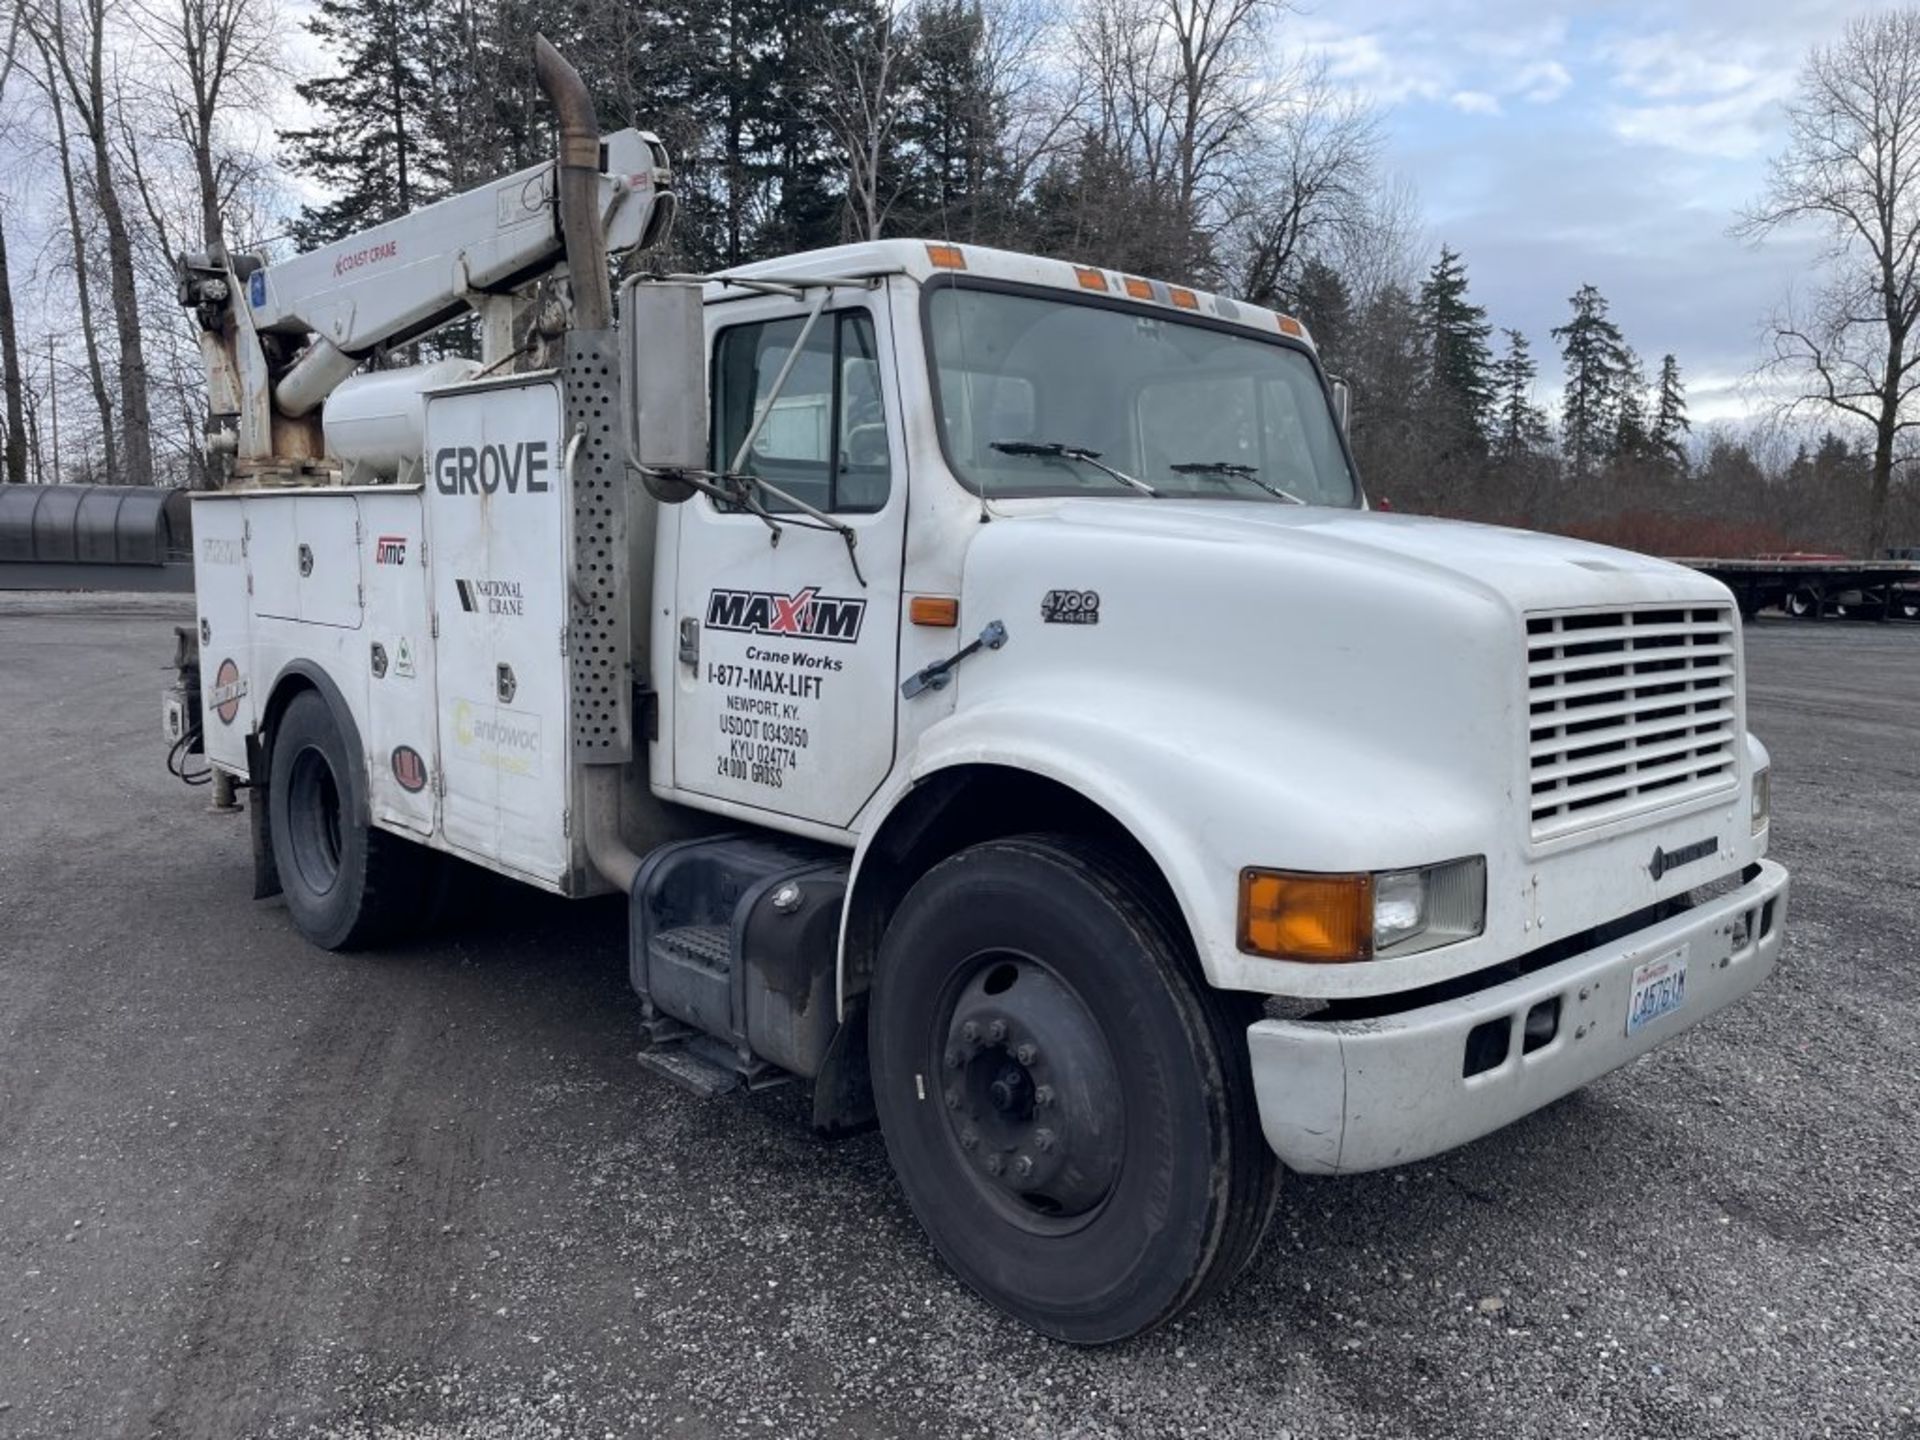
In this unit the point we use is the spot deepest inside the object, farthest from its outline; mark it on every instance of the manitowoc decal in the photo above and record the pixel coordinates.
(805, 614)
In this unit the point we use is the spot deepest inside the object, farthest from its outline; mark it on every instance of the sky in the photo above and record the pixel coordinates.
(1555, 145)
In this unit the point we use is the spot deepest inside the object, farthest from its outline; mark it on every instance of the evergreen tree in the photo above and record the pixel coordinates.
(1519, 426)
(953, 130)
(1322, 303)
(1460, 374)
(1596, 364)
(1632, 436)
(1670, 421)
(371, 149)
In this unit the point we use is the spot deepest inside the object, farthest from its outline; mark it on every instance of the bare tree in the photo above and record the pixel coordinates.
(77, 63)
(16, 439)
(1852, 168)
(1311, 193)
(82, 267)
(1177, 102)
(864, 67)
(218, 56)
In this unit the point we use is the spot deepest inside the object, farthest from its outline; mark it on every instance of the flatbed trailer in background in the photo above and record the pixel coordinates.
(1816, 586)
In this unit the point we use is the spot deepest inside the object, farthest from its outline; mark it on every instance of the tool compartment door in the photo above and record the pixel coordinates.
(401, 738)
(228, 706)
(497, 522)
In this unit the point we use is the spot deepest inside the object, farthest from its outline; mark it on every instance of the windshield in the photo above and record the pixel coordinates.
(1190, 410)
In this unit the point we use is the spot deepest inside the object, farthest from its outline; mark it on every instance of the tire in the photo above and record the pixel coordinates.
(1150, 1188)
(1801, 603)
(346, 884)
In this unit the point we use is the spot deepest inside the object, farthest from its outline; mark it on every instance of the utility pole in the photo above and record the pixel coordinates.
(53, 394)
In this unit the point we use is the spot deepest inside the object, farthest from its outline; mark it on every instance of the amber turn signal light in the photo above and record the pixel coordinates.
(939, 610)
(1321, 919)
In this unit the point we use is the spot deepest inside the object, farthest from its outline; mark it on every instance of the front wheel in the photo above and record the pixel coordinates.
(1068, 1107)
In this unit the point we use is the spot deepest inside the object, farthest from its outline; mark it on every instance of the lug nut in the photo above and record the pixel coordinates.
(997, 1031)
(969, 1138)
(970, 1033)
(994, 1164)
(1043, 1095)
(954, 1059)
(1026, 1054)
(1043, 1140)
(953, 1097)
(1022, 1166)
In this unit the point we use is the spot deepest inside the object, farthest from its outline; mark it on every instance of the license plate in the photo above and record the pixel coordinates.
(1659, 988)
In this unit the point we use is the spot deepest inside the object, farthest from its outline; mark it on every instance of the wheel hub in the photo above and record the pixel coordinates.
(1031, 1091)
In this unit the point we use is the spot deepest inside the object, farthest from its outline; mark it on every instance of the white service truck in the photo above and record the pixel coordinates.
(987, 683)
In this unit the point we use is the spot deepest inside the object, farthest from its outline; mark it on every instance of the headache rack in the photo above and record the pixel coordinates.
(1630, 711)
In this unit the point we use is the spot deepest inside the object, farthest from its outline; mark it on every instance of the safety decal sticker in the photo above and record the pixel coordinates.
(409, 769)
(228, 687)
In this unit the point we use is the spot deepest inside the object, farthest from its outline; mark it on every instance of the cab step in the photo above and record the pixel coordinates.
(701, 1065)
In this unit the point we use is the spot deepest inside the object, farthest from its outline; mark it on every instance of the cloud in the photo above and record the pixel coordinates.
(1715, 100)
(1542, 82)
(1474, 102)
(1732, 127)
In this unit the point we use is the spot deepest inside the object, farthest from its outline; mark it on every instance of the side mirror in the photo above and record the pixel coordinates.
(1342, 403)
(663, 350)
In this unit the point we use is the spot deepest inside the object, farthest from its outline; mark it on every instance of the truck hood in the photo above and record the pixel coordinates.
(1526, 569)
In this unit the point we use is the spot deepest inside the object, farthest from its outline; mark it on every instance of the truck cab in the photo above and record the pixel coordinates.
(986, 681)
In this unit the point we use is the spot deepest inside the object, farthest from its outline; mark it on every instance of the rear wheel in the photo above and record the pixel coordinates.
(1802, 602)
(346, 884)
(1068, 1107)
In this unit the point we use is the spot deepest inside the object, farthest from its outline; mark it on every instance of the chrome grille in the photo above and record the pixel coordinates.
(1630, 711)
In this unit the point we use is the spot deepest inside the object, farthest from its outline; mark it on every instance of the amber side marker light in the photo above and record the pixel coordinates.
(940, 610)
(1291, 326)
(1321, 919)
(1184, 299)
(1138, 289)
(1090, 279)
(947, 257)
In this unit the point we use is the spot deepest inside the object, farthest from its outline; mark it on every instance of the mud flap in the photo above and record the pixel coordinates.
(266, 874)
(843, 1091)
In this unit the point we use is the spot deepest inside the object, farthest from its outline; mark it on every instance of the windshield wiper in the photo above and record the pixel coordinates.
(1227, 469)
(1054, 450)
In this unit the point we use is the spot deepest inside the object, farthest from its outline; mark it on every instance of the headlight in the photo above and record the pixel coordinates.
(1337, 919)
(1762, 799)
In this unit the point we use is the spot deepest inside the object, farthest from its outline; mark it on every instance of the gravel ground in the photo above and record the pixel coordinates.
(247, 1188)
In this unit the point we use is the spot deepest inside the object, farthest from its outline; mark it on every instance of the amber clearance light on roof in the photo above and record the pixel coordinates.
(947, 257)
(1291, 326)
(1138, 289)
(1090, 279)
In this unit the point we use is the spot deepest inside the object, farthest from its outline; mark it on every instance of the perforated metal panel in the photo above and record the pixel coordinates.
(599, 632)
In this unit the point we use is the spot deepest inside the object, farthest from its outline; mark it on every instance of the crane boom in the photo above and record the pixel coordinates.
(278, 339)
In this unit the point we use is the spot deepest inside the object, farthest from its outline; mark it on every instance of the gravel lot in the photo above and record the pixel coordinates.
(247, 1188)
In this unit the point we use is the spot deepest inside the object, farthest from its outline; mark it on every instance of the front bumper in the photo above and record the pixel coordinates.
(1348, 1095)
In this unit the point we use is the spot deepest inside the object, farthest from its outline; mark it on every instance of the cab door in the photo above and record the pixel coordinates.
(788, 644)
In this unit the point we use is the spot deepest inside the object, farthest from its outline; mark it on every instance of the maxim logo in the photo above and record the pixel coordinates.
(806, 614)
